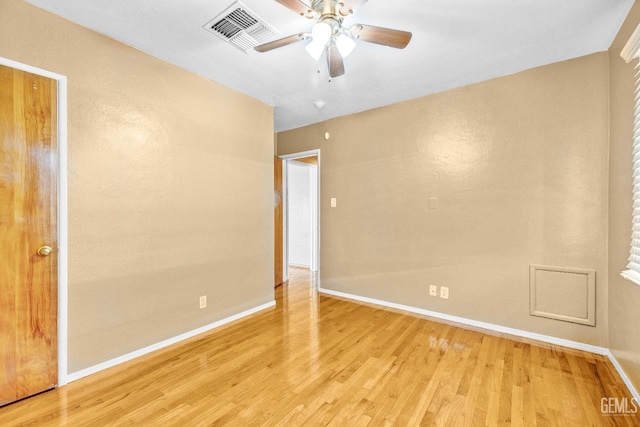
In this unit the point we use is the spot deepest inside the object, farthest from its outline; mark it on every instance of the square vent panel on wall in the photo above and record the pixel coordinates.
(566, 294)
(241, 28)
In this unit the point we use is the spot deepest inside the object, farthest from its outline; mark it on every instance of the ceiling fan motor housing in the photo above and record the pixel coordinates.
(328, 9)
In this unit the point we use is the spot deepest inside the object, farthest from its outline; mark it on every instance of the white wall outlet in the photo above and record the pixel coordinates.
(444, 292)
(203, 301)
(433, 290)
(334, 202)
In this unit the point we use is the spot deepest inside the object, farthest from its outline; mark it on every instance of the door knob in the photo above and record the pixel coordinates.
(44, 251)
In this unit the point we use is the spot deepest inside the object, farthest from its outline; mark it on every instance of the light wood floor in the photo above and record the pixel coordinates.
(315, 360)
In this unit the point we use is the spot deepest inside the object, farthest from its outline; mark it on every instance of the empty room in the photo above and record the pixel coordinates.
(319, 212)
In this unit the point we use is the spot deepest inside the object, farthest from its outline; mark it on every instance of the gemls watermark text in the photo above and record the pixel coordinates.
(618, 407)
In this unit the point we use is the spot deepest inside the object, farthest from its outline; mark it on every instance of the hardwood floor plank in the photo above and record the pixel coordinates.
(315, 360)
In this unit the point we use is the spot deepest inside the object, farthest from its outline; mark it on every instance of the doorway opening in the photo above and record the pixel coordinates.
(301, 211)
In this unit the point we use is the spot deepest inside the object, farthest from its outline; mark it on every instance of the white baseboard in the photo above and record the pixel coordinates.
(623, 375)
(299, 265)
(475, 323)
(126, 357)
(497, 328)
(461, 320)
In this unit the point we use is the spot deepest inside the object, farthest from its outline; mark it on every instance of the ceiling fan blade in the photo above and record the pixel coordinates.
(334, 61)
(350, 6)
(379, 35)
(298, 7)
(282, 42)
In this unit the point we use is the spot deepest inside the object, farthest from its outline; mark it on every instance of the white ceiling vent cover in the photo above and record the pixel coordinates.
(241, 27)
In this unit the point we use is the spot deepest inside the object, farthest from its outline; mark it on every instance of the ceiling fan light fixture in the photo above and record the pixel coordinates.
(321, 33)
(315, 49)
(345, 44)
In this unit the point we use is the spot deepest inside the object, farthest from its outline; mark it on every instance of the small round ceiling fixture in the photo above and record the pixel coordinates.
(319, 104)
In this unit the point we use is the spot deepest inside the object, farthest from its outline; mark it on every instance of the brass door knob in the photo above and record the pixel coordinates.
(45, 251)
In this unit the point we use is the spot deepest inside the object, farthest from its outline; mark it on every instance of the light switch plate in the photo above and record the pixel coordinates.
(334, 202)
(433, 203)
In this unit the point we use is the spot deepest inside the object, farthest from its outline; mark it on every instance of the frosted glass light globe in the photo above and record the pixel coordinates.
(321, 33)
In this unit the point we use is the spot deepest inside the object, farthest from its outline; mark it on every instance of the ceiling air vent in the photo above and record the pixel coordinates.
(241, 27)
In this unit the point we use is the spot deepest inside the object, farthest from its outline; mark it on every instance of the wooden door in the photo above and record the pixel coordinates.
(28, 208)
(278, 218)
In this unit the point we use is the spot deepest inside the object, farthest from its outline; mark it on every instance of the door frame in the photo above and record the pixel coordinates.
(63, 273)
(315, 250)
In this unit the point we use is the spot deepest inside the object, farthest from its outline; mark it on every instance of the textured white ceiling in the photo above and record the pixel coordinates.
(455, 43)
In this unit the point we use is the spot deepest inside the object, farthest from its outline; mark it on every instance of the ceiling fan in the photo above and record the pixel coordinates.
(328, 34)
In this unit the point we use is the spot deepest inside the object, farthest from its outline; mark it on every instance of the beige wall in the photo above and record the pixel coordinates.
(624, 296)
(170, 189)
(519, 165)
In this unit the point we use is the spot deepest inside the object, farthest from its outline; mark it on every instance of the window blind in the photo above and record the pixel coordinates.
(630, 53)
(634, 255)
